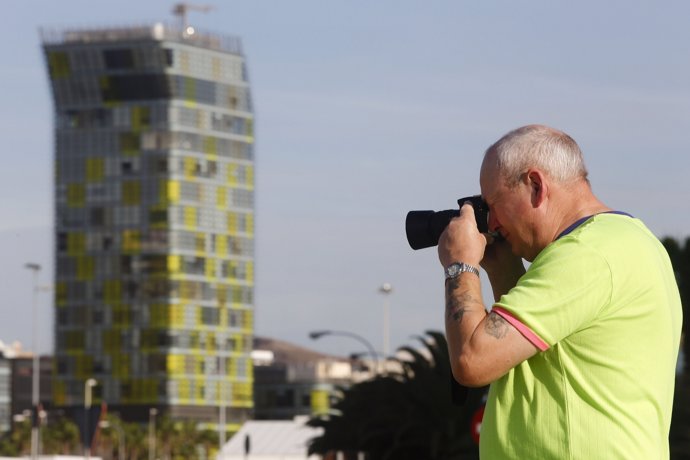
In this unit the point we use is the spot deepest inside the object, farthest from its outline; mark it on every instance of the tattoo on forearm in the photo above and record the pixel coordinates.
(496, 326)
(457, 304)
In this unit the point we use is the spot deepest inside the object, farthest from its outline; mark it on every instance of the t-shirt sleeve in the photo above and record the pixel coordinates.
(563, 290)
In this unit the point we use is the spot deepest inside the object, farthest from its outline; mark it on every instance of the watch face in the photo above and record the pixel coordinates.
(453, 269)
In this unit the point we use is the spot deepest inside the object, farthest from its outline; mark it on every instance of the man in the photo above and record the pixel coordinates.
(581, 348)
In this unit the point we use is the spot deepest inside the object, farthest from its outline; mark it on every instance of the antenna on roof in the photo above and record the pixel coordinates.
(180, 10)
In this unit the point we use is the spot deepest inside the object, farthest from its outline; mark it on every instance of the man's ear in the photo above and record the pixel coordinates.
(538, 186)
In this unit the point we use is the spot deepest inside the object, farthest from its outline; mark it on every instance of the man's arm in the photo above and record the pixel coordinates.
(482, 347)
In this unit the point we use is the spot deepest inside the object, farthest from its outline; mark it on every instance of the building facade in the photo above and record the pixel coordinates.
(154, 209)
(292, 381)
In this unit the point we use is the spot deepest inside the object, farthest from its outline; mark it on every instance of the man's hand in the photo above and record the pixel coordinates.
(461, 240)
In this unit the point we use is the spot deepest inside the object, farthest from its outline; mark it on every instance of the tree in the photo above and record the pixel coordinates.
(403, 415)
(679, 436)
(61, 437)
(680, 259)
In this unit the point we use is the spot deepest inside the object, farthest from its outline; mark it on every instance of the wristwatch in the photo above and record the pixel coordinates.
(453, 270)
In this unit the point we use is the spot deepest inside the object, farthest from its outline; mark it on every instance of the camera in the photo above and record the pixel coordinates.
(424, 228)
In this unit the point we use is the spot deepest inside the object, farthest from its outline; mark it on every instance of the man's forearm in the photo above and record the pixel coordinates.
(464, 311)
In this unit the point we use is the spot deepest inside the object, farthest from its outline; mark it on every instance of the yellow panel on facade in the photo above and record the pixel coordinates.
(232, 223)
(76, 195)
(221, 197)
(112, 290)
(248, 321)
(249, 272)
(320, 402)
(238, 340)
(175, 364)
(190, 216)
(200, 243)
(61, 293)
(120, 365)
(189, 168)
(95, 169)
(174, 264)
(190, 90)
(130, 143)
(176, 315)
(131, 241)
(242, 394)
(131, 192)
(112, 341)
(76, 243)
(84, 366)
(215, 68)
(59, 392)
(210, 267)
(141, 117)
(232, 174)
(221, 245)
(210, 145)
(168, 191)
(58, 63)
(250, 128)
(249, 176)
(184, 389)
(85, 267)
(249, 220)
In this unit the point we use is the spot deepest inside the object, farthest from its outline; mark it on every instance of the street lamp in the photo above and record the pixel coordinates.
(88, 386)
(152, 433)
(314, 335)
(386, 289)
(120, 437)
(35, 268)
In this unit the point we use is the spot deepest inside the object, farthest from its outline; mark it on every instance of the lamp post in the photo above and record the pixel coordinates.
(88, 386)
(386, 289)
(314, 335)
(152, 433)
(35, 268)
(120, 437)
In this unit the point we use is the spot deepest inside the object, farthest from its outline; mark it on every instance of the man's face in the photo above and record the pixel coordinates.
(510, 211)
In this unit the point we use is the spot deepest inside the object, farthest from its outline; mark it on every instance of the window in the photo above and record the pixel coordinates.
(118, 59)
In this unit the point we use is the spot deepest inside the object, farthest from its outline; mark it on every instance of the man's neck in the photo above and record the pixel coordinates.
(581, 203)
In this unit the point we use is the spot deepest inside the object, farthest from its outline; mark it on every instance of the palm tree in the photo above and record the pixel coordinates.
(61, 437)
(679, 436)
(403, 415)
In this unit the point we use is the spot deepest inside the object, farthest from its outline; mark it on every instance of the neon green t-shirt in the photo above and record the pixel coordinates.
(602, 304)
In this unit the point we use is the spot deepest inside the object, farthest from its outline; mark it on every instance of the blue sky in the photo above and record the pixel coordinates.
(364, 111)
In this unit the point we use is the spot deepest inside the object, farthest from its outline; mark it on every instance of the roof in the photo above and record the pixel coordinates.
(271, 437)
(285, 352)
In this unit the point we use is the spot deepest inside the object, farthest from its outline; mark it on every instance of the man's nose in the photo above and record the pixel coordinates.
(494, 224)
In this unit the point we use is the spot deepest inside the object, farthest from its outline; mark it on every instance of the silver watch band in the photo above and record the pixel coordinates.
(453, 270)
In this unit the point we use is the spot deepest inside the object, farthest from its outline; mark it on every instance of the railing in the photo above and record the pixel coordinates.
(158, 31)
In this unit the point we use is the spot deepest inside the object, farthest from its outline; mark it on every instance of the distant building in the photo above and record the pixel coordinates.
(22, 383)
(292, 381)
(154, 206)
(5, 394)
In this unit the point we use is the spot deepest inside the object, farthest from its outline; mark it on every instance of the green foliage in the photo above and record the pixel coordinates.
(175, 440)
(403, 415)
(680, 258)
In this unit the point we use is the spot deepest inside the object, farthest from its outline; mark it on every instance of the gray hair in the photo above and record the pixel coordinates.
(537, 146)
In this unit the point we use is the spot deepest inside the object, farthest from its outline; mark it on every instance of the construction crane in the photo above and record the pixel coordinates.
(181, 9)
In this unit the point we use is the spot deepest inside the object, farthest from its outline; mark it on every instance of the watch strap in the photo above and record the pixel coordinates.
(456, 268)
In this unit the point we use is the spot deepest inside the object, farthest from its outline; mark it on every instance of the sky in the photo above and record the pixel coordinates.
(364, 111)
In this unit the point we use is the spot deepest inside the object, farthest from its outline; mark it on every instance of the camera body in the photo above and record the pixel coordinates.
(424, 228)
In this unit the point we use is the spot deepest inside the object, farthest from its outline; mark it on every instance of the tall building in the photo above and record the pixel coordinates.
(154, 209)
